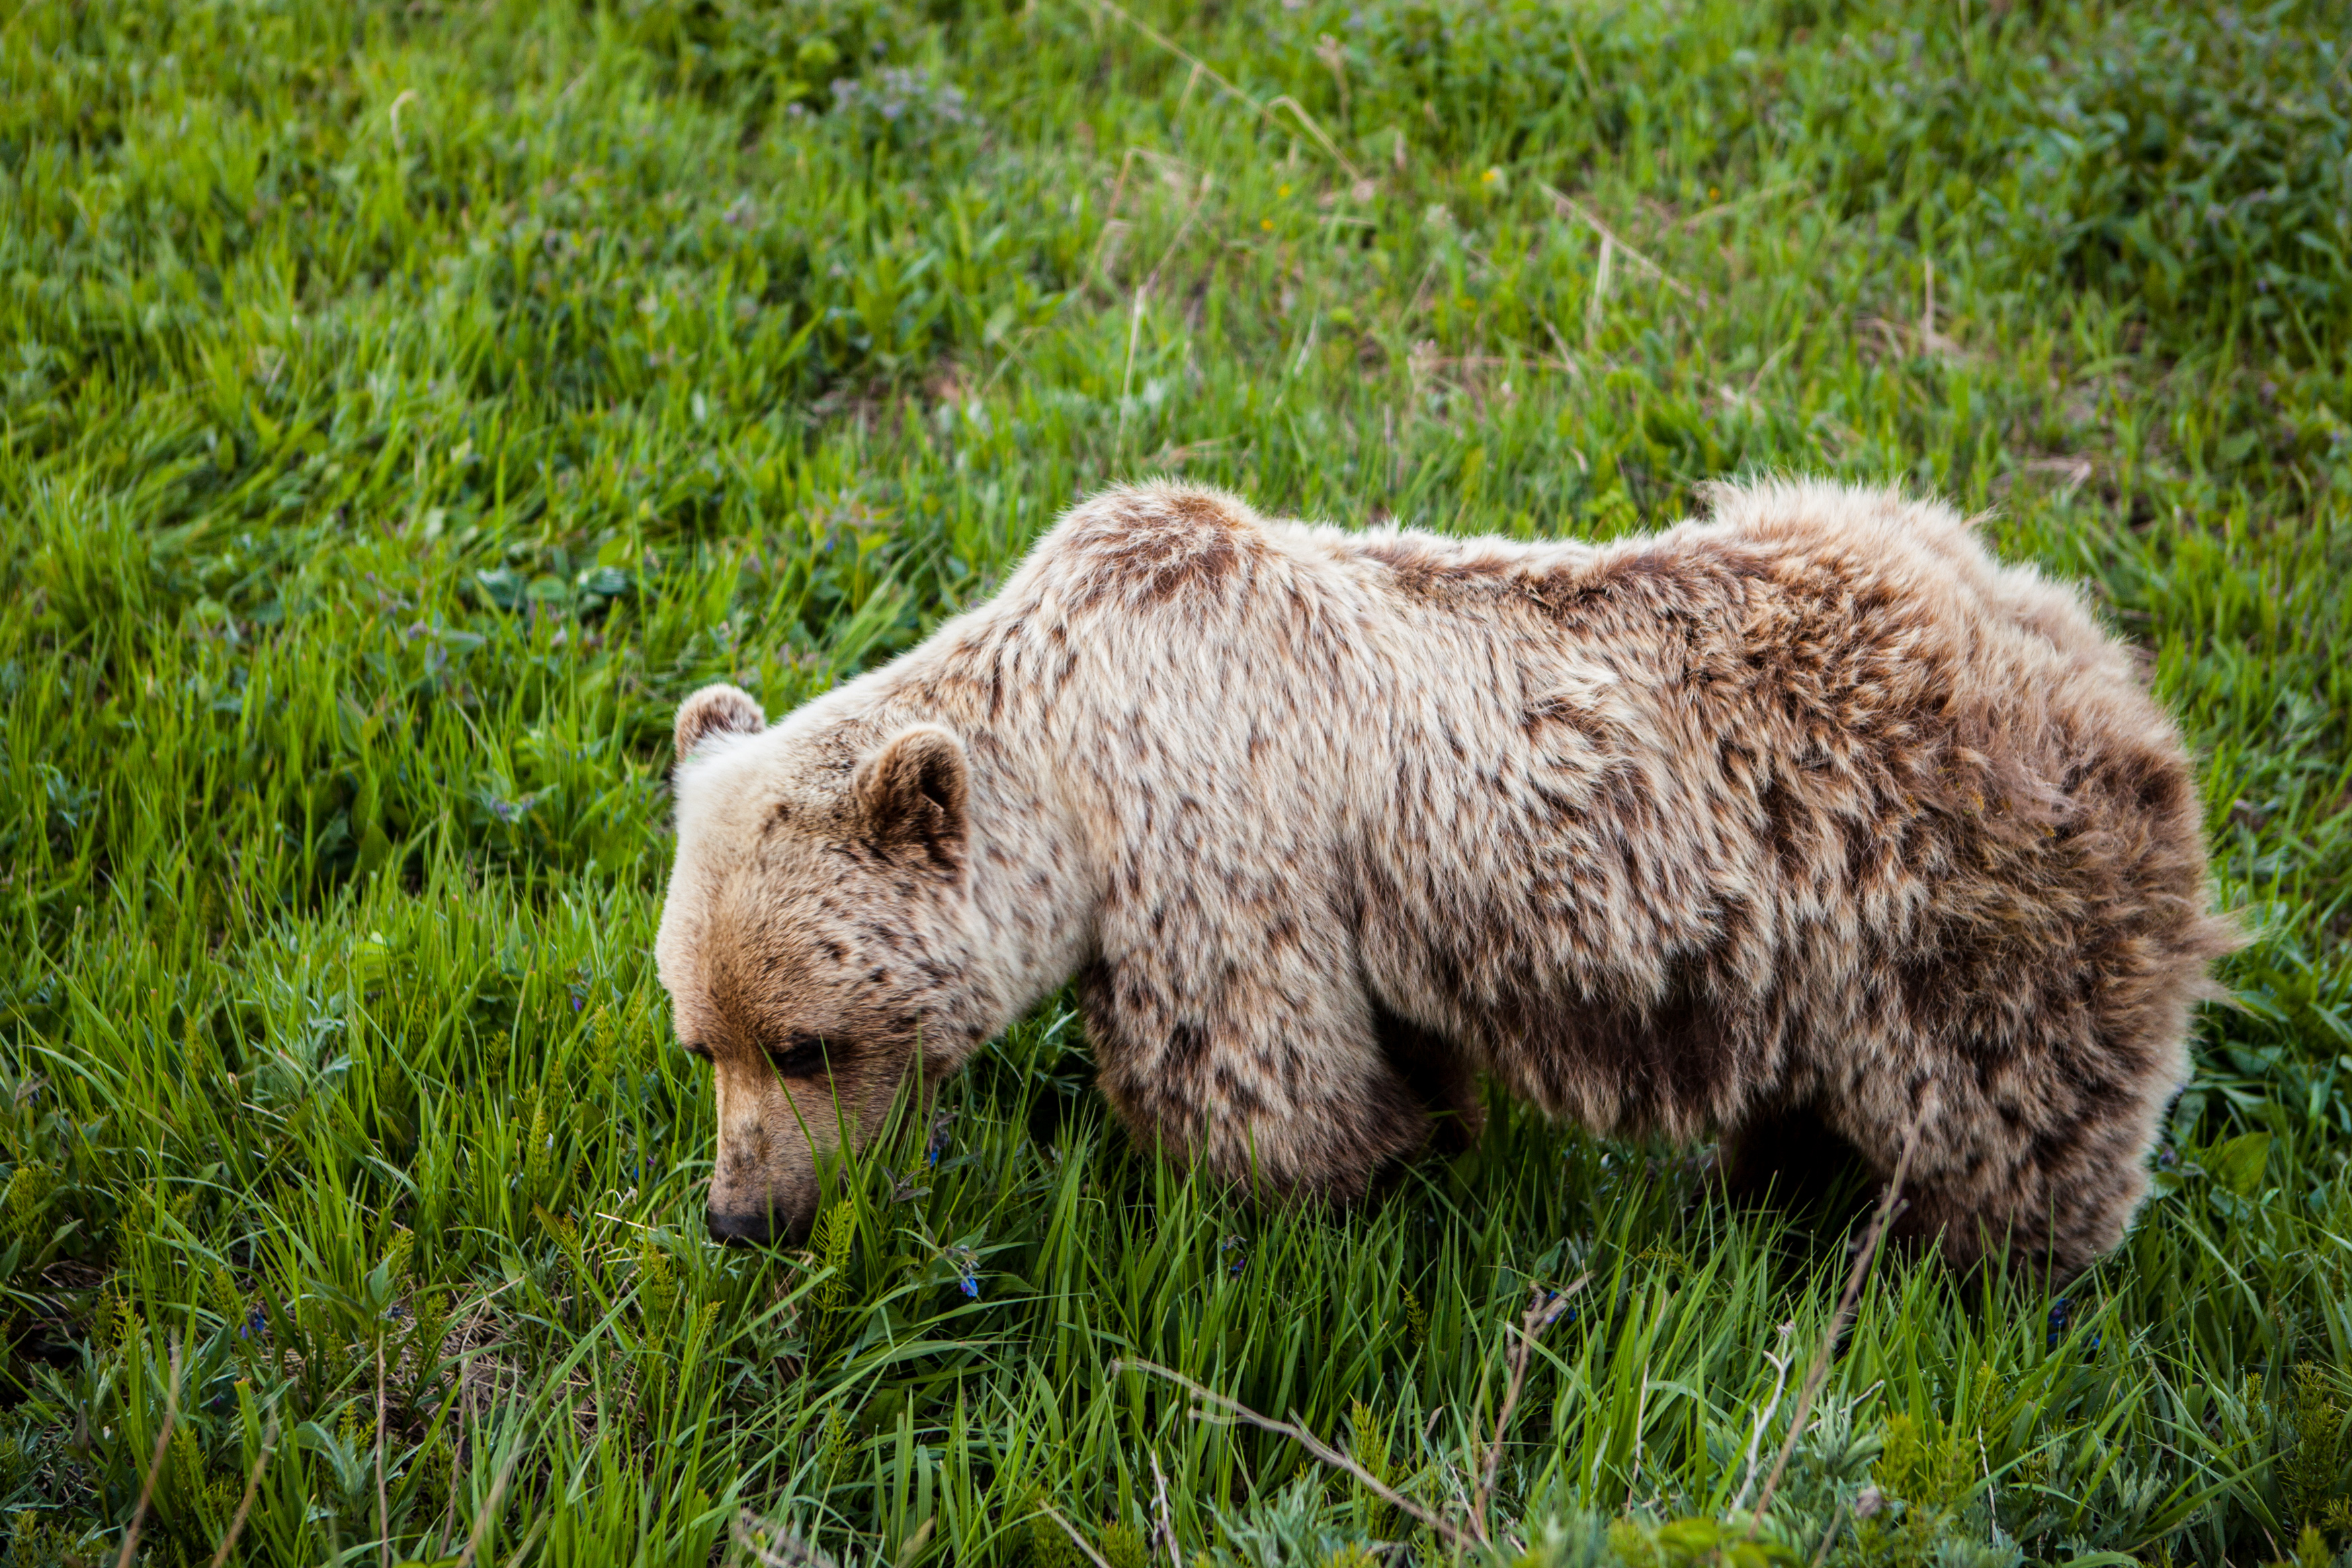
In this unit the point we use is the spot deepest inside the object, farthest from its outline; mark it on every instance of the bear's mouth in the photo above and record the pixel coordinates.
(769, 1227)
(752, 1228)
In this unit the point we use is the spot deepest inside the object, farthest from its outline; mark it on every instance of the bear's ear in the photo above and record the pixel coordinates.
(716, 710)
(911, 796)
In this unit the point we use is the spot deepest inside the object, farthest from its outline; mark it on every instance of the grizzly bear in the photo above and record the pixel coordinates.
(1809, 827)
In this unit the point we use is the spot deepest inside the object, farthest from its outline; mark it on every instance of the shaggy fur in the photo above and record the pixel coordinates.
(1809, 821)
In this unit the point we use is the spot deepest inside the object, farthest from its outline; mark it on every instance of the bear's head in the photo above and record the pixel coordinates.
(815, 941)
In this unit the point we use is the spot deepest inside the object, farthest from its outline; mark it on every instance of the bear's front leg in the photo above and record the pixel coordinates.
(1278, 1087)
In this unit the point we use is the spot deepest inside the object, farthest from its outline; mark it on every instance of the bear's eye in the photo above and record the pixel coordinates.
(802, 1055)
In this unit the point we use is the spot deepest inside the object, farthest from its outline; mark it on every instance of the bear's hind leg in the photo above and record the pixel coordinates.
(2048, 1178)
(2053, 1206)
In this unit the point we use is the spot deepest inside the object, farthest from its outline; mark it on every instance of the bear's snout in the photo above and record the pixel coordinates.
(754, 1228)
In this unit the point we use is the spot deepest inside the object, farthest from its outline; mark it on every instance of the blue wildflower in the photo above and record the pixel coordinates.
(2061, 1312)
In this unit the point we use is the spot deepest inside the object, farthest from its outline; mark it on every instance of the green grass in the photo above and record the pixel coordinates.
(401, 408)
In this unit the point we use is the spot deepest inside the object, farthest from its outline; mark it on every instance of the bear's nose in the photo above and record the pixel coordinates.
(752, 1228)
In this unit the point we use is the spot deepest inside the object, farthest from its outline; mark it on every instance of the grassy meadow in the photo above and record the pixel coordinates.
(402, 406)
